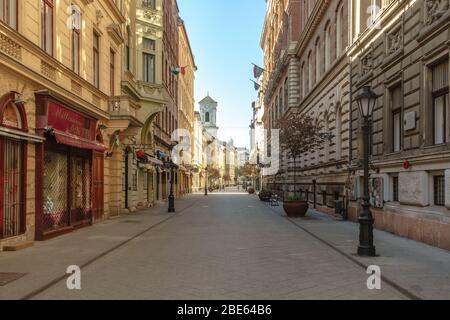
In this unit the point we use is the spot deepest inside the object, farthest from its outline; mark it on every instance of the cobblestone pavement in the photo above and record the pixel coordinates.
(226, 246)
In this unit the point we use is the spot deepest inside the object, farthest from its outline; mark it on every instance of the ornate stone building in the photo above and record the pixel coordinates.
(402, 53)
(307, 70)
(186, 103)
(57, 75)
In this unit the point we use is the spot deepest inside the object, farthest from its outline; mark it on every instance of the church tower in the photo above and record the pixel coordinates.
(208, 112)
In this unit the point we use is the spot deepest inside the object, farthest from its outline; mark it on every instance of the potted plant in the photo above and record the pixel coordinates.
(264, 195)
(296, 206)
(251, 190)
(299, 135)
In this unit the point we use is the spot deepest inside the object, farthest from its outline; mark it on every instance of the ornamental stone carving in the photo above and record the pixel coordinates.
(395, 40)
(435, 9)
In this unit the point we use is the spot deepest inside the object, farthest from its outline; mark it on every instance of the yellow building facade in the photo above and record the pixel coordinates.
(186, 103)
(58, 71)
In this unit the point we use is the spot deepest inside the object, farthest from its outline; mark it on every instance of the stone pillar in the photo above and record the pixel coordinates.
(414, 188)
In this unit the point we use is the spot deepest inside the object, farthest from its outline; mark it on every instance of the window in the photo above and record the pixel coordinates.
(112, 71)
(286, 93)
(9, 12)
(149, 67)
(439, 191)
(128, 49)
(318, 58)
(310, 79)
(149, 4)
(396, 112)
(148, 44)
(47, 26)
(395, 188)
(96, 59)
(76, 42)
(440, 102)
(328, 46)
(207, 117)
(338, 133)
(340, 31)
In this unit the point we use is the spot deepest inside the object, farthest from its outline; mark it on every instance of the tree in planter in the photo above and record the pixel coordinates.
(300, 134)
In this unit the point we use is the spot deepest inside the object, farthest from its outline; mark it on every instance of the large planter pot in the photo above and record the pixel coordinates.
(296, 209)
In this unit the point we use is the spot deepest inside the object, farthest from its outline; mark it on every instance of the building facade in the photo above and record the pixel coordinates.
(58, 72)
(318, 63)
(403, 55)
(311, 76)
(186, 103)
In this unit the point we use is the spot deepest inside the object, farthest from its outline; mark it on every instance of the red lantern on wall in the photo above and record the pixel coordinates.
(140, 153)
(406, 165)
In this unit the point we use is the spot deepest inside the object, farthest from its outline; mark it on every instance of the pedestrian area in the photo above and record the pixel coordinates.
(228, 245)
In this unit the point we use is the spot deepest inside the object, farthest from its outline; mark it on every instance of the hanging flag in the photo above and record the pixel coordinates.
(257, 71)
(257, 86)
(177, 70)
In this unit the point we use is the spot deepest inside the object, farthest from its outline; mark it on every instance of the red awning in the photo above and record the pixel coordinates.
(77, 142)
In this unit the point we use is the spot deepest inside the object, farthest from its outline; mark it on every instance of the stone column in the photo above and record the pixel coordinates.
(294, 81)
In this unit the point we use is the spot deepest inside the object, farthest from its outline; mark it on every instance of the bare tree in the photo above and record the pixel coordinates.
(300, 134)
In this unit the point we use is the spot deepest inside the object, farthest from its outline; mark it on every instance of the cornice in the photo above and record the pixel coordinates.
(314, 20)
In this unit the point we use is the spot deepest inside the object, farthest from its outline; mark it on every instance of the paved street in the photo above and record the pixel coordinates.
(224, 246)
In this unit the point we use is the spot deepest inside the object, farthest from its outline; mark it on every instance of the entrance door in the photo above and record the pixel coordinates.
(126, 177)
(98, 183)
(12, 220)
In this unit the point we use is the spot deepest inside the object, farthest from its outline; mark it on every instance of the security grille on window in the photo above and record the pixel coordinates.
(439, 190)
(440, 103)
(395, 189)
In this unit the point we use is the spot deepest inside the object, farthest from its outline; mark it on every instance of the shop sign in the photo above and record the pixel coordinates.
(71, 122)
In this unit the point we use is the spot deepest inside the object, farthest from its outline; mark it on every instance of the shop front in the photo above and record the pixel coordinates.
(69, 169)
(15, 140)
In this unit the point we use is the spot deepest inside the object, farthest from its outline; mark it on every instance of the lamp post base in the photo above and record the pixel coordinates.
(366, 247)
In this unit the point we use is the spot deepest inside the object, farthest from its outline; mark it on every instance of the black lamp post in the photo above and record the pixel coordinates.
(366, 103)
(206, 180)
(171, 165)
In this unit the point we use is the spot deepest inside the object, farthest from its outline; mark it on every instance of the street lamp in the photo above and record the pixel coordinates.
(169, 164)
(366, 103)
(206, 180)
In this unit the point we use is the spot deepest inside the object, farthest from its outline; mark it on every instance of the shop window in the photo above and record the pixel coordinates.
(55, 190)
(12, 169)
(12, 174)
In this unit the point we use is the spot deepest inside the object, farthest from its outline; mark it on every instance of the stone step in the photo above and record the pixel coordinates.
(18, 246)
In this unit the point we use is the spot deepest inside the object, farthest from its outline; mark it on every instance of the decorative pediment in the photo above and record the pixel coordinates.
(115, 33)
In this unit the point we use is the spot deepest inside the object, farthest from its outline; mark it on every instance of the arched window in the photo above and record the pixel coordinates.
(286, 93)
(304, 80)
(338, 133)
(327, 143)
(207, 117)
(310, 70)
(318, 59)
(341, 36)
(12, 168)
(328, 45)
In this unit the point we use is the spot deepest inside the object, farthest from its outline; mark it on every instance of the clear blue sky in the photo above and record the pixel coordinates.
(225, 36)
